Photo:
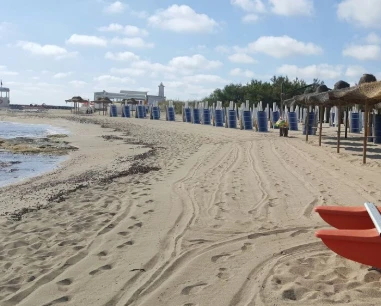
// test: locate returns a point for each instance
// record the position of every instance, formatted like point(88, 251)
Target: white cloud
point(46, 50)
point(373, 38)
point(252, 8)
point(242, 58)
point(113, 79)
point(354, 71)
point(4, 27)
point(4, 71)
point(182, 18)
point(128, 71)
point(292, 7)
point(283, 46)
point(112, 27)
point(322, 71)
point(128, 30)
point(196, 61)
point(86, 40)
point(250, 18)
point(204, 78)
point(365, 13)
point(61, 75)
point(195, 86)
point(122, 56)
point(222, 49)
point(133, 42)
point(116, 7)
point(239, 72)
point(77, 83)
point(139, 14)
point(363, 52)
point(181, 65)
point(250, 5)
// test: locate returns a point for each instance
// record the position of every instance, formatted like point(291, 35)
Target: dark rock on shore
point(52, 144)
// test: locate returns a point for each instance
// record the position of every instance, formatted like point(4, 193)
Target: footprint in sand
point(102, 254)
point(123, 233)
point(223, 274)
point(191, 289)
point(148, 211)
point(130, 242)
point(139, 224)
point(298, 233)
point(217, 257)
point(246, 246)
point(63, 299)
point(65, 282)
point(100, 269)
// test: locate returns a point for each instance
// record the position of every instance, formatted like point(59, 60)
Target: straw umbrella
point(321, 89)
point(104, 101)
point(76, 100)
point(341, 85)
point(366, 78)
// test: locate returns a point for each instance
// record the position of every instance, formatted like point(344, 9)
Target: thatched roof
point(102, 100)
point(76, 99)
point(341, 84)
point(367, 78)
point(321, 88)
point(364, 93)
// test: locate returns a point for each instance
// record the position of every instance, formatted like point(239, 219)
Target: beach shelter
point(366, 93)
point(77, 100)
point(104, 101)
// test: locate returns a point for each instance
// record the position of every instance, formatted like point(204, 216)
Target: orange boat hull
point(346, 217)
point(362, 246)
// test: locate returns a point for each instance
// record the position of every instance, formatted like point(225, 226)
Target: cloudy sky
point(52, 50)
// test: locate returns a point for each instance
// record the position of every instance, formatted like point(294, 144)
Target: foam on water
point(13, 129)
point(17, 167)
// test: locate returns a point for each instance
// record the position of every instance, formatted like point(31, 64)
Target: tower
point(161, 90)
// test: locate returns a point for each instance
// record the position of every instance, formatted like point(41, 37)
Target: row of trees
point(267, 92)
point(255, 91)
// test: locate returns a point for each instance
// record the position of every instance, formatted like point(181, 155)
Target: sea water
point(17, 167)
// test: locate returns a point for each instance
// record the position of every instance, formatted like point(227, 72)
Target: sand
point(169, 213)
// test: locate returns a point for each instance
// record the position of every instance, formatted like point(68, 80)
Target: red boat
point(357, 236)
point(346, 217)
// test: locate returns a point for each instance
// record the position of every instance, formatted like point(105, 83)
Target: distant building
point(4, 97)
point(159, 98)
point(138, 96)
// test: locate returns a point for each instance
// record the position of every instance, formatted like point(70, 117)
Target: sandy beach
point(168, 213)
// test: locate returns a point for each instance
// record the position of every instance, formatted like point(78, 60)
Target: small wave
point(15, 129)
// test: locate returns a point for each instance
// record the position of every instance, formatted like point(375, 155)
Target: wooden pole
point(365, 133)
point(339, 129)
point(346, 122)
point(307, 119)
point(321, 111)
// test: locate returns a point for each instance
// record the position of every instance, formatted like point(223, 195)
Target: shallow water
point(17, 167)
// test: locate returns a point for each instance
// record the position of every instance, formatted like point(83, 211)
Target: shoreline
point(33, 147)
point(162, 213)
point(64, 167)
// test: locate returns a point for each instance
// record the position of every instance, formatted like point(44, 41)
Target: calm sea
point(17, 167)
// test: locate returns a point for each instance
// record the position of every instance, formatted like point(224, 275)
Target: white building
point(139, 96)
point(4, 97)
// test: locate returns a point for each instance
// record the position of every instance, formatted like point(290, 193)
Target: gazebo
point(76, 100)
point(366, 93)
point(104, 101)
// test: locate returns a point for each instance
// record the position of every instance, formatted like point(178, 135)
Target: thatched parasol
point(76, 100)
point(340, 85)
point(367, 78)
point(103, 100)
